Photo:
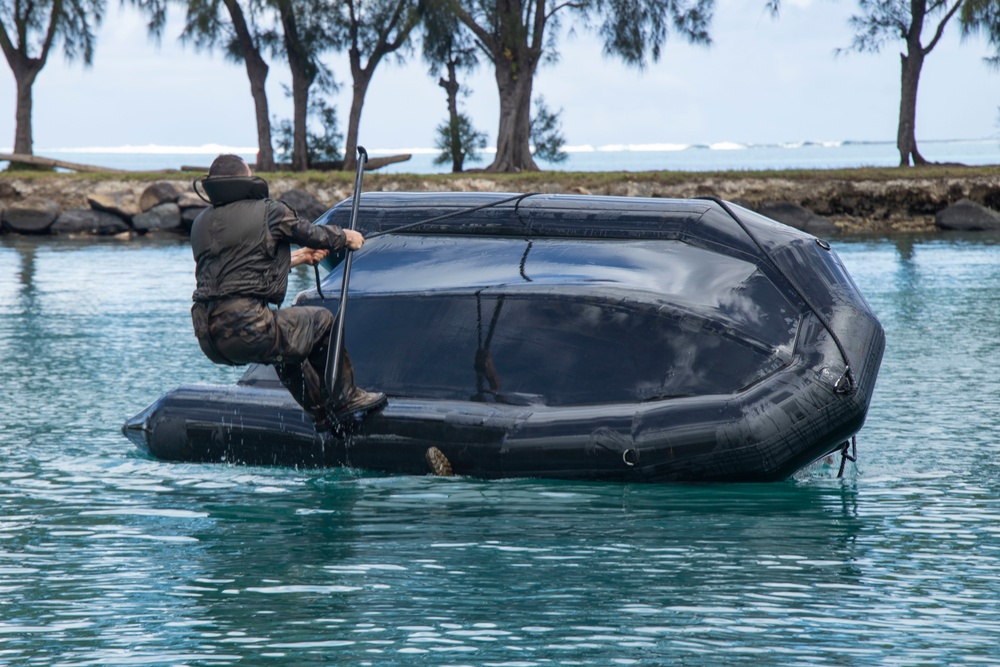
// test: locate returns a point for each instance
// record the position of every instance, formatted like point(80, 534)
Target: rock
point(305, 204)
point(122, 203)
point(8, 191)
point(161, 216)
point(162, 192)
point(191, 200)
point(967, 216)
point(798, 217)
point(187, 217)
point(88, 221)
point(191, 206)
point(31, 216)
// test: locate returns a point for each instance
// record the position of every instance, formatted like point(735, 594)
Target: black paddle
point(337, 333)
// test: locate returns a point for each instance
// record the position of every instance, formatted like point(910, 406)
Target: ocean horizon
point(716, 156)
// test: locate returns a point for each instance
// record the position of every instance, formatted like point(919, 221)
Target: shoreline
point(868, 201)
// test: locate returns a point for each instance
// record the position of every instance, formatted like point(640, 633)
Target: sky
point(762, 81)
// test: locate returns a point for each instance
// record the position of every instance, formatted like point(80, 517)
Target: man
point(242, 253)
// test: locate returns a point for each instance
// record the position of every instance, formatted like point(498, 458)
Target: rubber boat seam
point(760, 447)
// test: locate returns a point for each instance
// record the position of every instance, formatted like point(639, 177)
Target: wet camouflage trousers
point(294, 340)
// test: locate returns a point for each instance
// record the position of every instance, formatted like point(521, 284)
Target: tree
point(322, 146)
point(28, 32)
point(242, 40)
point(458, 142)
point(516, 36)
point(300, 40)
point(447, 45)
point(984, 16)
point(372, 29)
point(884, 20)
point(546, 133)
point(305, 26)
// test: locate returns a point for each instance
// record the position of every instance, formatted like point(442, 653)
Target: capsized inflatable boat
point(572, 337)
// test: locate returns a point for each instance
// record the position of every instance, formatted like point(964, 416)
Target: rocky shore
point(925, 201)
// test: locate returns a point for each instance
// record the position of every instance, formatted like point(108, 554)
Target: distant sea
point(619, 157)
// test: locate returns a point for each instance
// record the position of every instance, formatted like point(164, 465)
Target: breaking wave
point(658, 156)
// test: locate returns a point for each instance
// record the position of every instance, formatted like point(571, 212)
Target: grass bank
point(862, 200)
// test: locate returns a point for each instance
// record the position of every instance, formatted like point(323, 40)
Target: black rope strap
point(845, 457)
point(319, 289)
point(464, 211)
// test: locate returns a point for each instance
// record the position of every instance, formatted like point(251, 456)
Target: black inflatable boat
point(572, 337)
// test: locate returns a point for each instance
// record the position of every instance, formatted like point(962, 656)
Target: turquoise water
point(108, 558)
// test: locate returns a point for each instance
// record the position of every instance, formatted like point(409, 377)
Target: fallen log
point(51, 162)
point(372, 163)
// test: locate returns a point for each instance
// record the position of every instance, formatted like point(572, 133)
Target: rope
point(319, 290)
point(845, 457)
point(463, 211)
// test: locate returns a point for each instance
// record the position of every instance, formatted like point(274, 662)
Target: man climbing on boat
point(242, 252)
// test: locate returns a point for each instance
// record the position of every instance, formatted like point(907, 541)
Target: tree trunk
point(514, 133)
point(26, 68)
point(25, 72)
point(515, 56)
point(361, 79)
point(24, 78)
point(265, 152)
point(451, 87)
point(257, 71)
point(300, 115)
point(303, 73)
point(906, 140)
point(401, 19)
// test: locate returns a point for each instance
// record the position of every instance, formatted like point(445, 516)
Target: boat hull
point(808, 403)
